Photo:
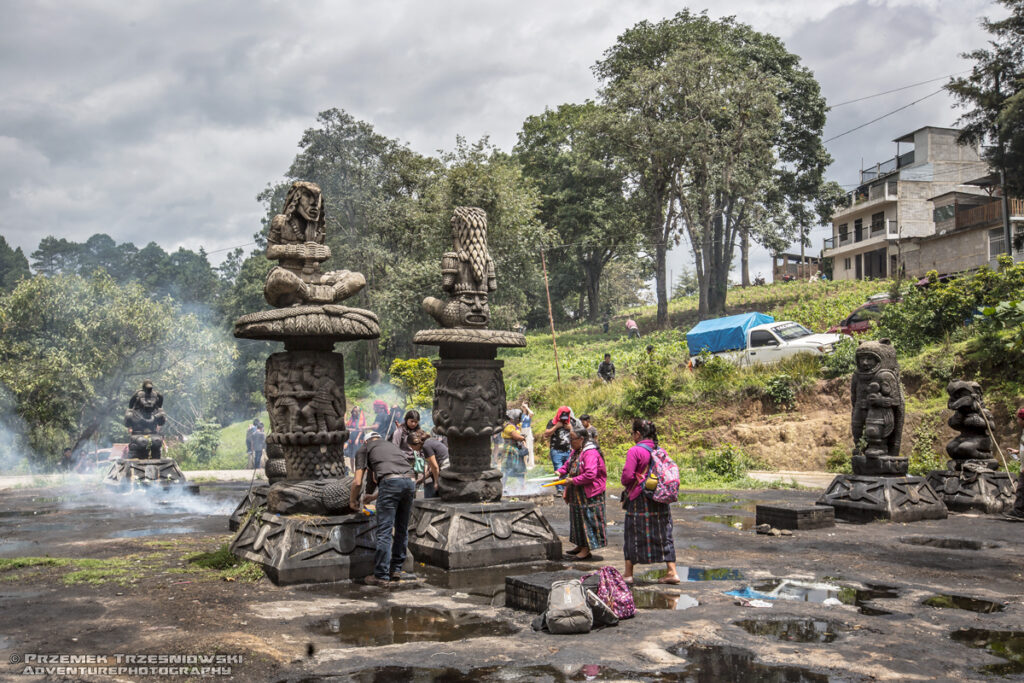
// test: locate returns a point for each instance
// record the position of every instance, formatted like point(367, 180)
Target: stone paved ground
point(148, 599)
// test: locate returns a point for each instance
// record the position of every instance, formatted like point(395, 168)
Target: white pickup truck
point(765, 343)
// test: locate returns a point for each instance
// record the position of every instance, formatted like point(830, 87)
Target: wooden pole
point(551, 317)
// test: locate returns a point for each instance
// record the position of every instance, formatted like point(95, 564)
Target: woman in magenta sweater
point(584, 492)
point(648, 528)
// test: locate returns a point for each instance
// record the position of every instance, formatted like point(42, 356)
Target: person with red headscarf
point(1017, 513)
point(558, 431)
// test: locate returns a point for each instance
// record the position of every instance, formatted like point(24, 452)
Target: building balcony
point(867, 197)
point(989, 215)
point(886, 167)
point(876, 232)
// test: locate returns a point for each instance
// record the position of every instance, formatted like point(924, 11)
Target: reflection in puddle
point(823, 593)
point(793, 630)
point(728, 663)
point(397, 624)
point(136, 533)
point(963, 602)
point(1006, 644)
point(948, 543)
point(735, 521)
point(652, 599)
point(705, 498)
point(693, 574)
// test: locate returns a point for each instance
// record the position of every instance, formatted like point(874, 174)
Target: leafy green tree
point(583, 201)
point(994, 95)
point(719, 126)
point(13, 266)
point(73, 349)
point(414, 379)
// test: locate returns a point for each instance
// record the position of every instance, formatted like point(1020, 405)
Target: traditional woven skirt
point(648, 532)
point(586, 519)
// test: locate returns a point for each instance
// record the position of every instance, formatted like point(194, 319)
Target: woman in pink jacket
point(648, 528)
point(584, 492)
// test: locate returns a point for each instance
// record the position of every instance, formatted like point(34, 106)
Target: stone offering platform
point(866, 498)
point(793, 517)
point(160, 472)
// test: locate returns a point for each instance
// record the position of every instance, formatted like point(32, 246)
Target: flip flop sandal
point(669, 580)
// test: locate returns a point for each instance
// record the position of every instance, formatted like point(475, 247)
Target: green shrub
point(781, 392)
point(923, 454)
point(202, 444)
point(842, 361)
point(648, 393)
point(839, 461)
point(727, 461)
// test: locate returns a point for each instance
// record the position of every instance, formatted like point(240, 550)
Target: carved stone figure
point(144, 418)
point(470, 526)
point(467, 274)
point(971, 419)
point(878, 411)
point(296, 241)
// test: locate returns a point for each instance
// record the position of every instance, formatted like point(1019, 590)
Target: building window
point(846, 263)
point(996, 243)
point(844, 232)
point(877, 222)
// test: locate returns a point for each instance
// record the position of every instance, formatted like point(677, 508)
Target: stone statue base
point(255, 498)
point(860, 498)
point(163, 472)
point(473, 487)
point(469, 535)
point(982, 490)
point(306, 548)
point(880, 466)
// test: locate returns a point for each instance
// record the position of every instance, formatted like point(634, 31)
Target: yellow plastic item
point(556, 483)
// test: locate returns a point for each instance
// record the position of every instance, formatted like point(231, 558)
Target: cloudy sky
point(162, 121)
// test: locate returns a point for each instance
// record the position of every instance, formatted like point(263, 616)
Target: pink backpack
point(666, 472)
point(613, 591)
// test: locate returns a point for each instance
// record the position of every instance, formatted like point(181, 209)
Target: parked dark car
point(862, 317)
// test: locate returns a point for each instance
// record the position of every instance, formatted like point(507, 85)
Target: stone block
point(308, 549)
point(795, 517)
point(530, 591)
point(861, 499)
point(162, 472)
point(466, 535)
point(982, 491)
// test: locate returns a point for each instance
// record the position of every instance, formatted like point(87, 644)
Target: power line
point(905, 87)
point(240, 246)
point(887, 114)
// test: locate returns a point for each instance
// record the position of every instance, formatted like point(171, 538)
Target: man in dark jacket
point(396, 481)
point(606, 370)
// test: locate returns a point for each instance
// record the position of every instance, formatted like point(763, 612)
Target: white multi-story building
point(893, 203)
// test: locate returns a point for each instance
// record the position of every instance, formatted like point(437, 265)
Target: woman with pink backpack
point(648, 528)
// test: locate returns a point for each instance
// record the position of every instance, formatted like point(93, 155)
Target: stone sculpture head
point(305, 203)
point(873, 356)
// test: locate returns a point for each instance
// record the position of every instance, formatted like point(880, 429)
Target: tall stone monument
point(971, 480)
point(879, 487)
point(306, 531)
point(469, 526)
point(144, 463)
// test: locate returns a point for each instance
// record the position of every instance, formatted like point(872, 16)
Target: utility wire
point(887, 114)
point(905, 87)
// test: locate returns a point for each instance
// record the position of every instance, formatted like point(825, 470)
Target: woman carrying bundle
point(585, 477)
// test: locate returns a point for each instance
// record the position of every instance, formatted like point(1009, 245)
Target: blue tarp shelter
point(724, 334)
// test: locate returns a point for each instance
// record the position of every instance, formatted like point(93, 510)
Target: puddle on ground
point(1006, 644)
point(948, 543)
point(948, 601)
point(400, 624)
point(806, 591)
point(653, 599)
point(705, 498)
point(793, 630)
point(693, 574)
point(27, 513)
point(728, 663)
point(136, 533)
point(503, 674)
point(743, 522)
